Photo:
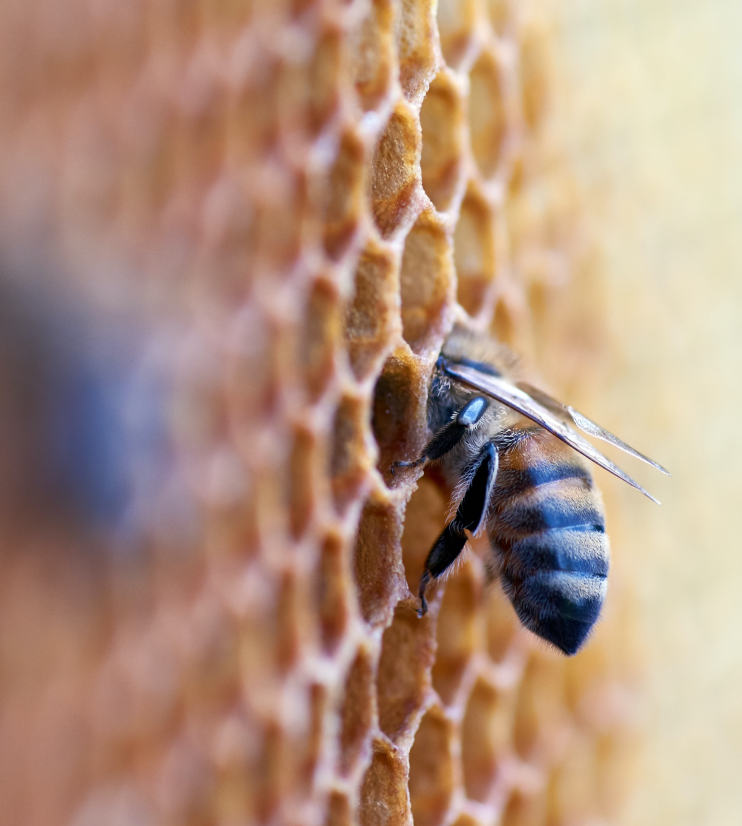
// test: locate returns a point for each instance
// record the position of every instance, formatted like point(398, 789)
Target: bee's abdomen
point(548, 530)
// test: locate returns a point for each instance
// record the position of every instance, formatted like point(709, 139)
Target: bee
point(516, 466)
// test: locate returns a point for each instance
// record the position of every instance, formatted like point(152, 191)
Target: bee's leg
point(470, 516)
point(450, 434)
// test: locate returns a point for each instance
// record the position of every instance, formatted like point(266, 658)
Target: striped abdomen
point(547, 529)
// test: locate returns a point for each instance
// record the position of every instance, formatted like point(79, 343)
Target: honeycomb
point(245, 229)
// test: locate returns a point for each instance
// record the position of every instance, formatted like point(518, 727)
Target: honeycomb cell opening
point(458, 630)
point(457, 22)
point(474, 250)
point(333, 585)
point(349, 454)
point(323, 81)
point(372, 315)
point(378, 567)
point(384, 790)
point(371, 50)
point(487, 116)
point(414, 39)
point(357, 715)
point(304, 481)
point(432, 778)
point(407, 652)
point(343, 197)
point(442, 121)
point(394, 181)
point(321, 330)
point(400, 401)
point(426, 283)
point(485, 735)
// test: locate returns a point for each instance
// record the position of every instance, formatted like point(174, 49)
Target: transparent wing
point(546, 412)
point(586, 425)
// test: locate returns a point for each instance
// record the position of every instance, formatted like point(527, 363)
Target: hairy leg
point(450, 434)
point(470, 516)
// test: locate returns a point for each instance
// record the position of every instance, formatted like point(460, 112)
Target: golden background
point(651, 110)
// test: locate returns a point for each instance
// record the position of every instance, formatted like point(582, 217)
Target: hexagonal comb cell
point(357, 714)
point(394, 177)
point(279, 221)
point(457, 21)
point(406, 656)
point(432, 780)
point(378, 566)
point(459, 632)
point(371, 49)
point(400, 401)
point(343, 197)
point(320, 333)
point(323, 76)
point(305, 481)
point(350, 459)
point(512, 322)
point(426, 279)
point(372, 316)
point(442, 120)
point(333, 585)
point(485, 739)
point(474, 251)
point(414, 30)
point(487, 119)
point(309, 93)
point(384, 790)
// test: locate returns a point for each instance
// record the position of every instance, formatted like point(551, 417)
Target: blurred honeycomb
point(256, 223)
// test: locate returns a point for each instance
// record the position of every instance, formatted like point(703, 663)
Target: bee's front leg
point(450, 434)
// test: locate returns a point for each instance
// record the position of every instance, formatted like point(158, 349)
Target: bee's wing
point(544, 415)
point(584, 423)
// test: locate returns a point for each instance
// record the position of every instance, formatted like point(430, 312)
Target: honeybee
point(517, 471)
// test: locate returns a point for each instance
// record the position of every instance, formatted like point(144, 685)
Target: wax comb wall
point(290, 202)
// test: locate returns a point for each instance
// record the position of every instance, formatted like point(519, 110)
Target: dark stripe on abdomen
point(569, 503)
point(512, 481)
point(577, 550)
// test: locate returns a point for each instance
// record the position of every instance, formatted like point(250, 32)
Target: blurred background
point(651, 110)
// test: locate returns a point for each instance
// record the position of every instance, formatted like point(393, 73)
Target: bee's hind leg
point(470, 516)
point(450, 434)
point(442, 555)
